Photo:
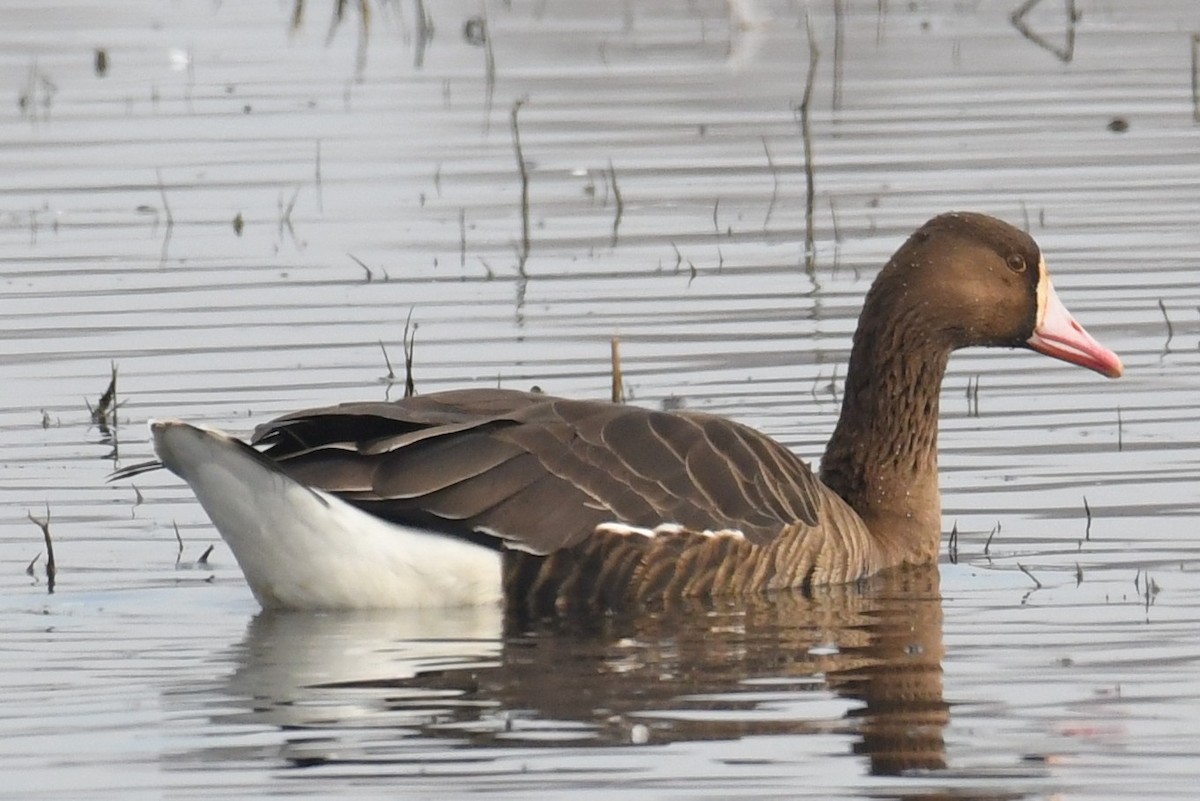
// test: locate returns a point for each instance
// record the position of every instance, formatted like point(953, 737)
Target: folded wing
point(539, 473)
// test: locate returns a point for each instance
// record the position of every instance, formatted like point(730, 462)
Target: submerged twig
point(774, 184)
point(425, 30)
point(839, 47)
point(462, 238)
point(1065, 53)
point(361, 263)
point(833, 219)
point(987, 546)
point(1170, 329)
point(410, 339)
point(483, 36)
point(523, 170)
point(618, 382)
point(105, 412)
point(806, 134)
point(391, 374)
point(1196, 77)
point(51, 566)
point(317, 179)
point(285, 215)
point(39, 91)
point(620, 202)
point(170, 225)
point(973, 395)
point(1024, 570)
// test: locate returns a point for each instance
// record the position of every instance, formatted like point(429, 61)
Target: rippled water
point(248, 201)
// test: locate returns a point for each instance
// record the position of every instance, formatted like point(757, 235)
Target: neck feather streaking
point(882, 457)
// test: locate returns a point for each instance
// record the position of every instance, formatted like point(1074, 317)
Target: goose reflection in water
point(385, 688)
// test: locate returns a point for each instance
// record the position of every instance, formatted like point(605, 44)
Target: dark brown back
point(539, 473)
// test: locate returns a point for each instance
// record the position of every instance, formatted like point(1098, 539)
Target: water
point(373, 172)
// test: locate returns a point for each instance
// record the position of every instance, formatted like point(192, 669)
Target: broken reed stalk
point(105, 412)
point(973, 396)
point(814, 56)
point(618, 383)
point(363, 264)
point(523, 169)
point(391, 374)
point(612, 178)
point(203, 560)
point(410, 340)
point(51, 566)
point(987, 546)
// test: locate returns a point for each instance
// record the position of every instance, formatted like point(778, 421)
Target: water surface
point(246, 204)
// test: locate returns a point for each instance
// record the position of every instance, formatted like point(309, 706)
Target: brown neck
point(882, 458)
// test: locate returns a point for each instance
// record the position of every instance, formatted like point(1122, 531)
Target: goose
point(546, 504)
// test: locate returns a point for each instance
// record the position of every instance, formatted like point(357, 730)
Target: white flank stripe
point(626, 530)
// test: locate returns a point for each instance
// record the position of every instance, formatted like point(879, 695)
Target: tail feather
point(300, 547)
point(133, 470)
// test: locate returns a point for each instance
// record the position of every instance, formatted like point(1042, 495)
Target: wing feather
point(540, 473)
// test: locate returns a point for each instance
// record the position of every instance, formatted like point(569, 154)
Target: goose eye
point(1016, 263)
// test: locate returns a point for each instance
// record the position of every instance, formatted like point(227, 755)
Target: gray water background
point(371, 164)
